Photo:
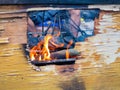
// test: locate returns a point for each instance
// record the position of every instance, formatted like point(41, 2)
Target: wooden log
point(62, 54)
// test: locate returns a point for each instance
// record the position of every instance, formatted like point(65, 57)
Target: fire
point(41, 51)
point(39, 58)
point(45, 49)
point(67, 54)
point(32, 57)
point(67, 51)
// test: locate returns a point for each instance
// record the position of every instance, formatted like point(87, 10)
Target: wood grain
point(15, 27)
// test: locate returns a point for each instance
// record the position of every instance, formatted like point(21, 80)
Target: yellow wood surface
point(98, 67)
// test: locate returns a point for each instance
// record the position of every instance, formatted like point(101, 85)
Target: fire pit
point(41, 54)
point(55, 38)
point(60, 60)
point(62, 57)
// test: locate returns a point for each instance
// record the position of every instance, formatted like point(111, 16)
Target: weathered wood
point(4, 40)
point(15, 27)
point(91, 72)
point(2, 29)
point(106, 7)
point(12, 15)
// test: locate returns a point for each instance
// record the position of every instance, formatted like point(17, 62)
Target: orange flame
point(40, 58)
point(45, 49)
point(67, 51)
point(32, 57)
point(41, 51)
point(67, 54)
point(33, 53)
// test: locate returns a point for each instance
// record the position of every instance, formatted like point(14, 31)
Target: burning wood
point(45, 49)
point(67, 52)
point(41, 52)
point(62, 54)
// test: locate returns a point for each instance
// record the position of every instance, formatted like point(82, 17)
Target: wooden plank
point(12, 15)
point(106, 7)
point(4, 40)
point(15, 27)
point(22, 39)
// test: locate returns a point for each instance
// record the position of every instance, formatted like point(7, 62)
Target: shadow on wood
point(73, 84)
